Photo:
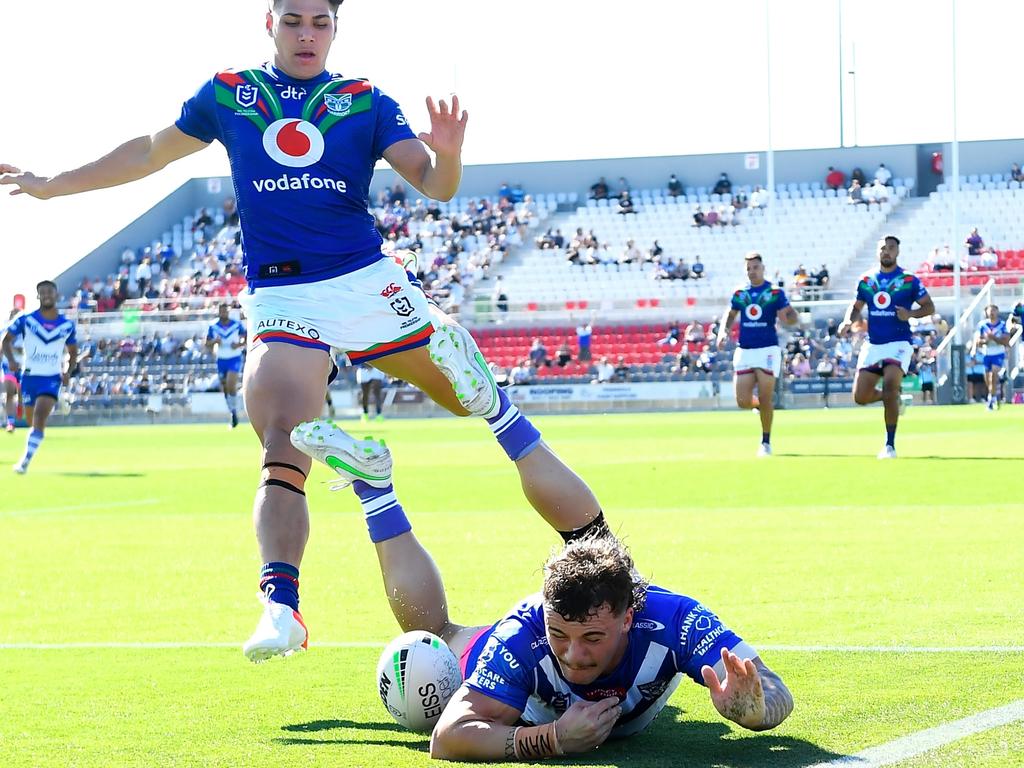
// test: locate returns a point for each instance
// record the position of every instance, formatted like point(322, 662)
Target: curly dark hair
point(589, 573)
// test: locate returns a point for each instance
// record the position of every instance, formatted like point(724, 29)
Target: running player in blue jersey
point(596, 654)
point(302, 144)
point(993, 335)
point(45, 333)
point(757, 361)
point(890, 295)
point(228, 336)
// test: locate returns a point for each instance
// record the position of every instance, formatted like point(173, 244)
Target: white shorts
point(372, 312)
point(768, 359)
point(876, 355)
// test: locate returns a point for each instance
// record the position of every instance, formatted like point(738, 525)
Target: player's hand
point(447, 129)
point(844, 328)
point(586, 724)
point(66, 378)
point(902, 314)
point(25, 183)
point(740, 697)
point(720, 343)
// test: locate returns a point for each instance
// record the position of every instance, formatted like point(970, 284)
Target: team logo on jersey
point(338, 104)
point(703, 623)
point(652, 691)
point(403, 306)
point(649, 624)
point(753, 312)
point(390, 291)
point(246, 94)
point(882, 300)
point(293, 142)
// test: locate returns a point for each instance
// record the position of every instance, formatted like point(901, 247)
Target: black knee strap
point(283, 465)
point(282, 484)
point(596, 528)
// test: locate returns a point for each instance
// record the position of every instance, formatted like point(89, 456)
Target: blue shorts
point(229, 364)
point(34, 387)
point(994, 361)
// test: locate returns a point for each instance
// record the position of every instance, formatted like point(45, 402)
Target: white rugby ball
point(416, 676)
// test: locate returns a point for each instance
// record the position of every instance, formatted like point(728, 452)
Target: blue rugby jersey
point(883, 292)
point(999, 329)
point(44, 342)
point(758, 308)
point(673, 636)
point(226, 336)
point(302, 154)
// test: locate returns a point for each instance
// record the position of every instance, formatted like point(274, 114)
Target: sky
point(563, 80)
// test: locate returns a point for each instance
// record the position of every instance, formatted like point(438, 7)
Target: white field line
point(906, 747)
point(101, 505)
point(369, 644)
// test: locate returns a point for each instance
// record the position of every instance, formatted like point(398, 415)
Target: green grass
point(143, 534)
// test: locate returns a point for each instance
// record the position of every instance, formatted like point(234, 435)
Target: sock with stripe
point(516, 435)
point(385, 517)
point(890, 435)
point(766, 437)
point(10, 421)
point(35, 437)
point(280, 583)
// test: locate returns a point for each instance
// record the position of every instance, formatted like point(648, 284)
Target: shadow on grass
point(668, 742)
point(902, 457)
point(99, 474)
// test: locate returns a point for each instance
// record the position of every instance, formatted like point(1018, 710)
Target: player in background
point(890, 295)
point(44, 333)
point(757, 362)
point(1016, 318)
point(302, 145)
point(993, 335)
point(228, 336)
point(597, 654)
point(371, 384)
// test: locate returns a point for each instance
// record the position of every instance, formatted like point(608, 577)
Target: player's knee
point(745, 402)
point(861, 398)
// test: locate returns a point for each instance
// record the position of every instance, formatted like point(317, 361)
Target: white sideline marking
point(368, 644)
point(79, 507)
point(915, 744)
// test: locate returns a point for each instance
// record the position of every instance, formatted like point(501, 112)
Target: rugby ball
point(416, 676)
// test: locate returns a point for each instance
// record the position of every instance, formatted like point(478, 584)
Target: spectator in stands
point(663, 270)
point(835, 179)
point(698, 218)
point(505, 190)
point(626, 203)
point(974, 243)
point(879, 193)
point(858, 175)
point(398, 194)
point(143, 276)
point(821, 277)
point(654, 253)
point(584, 334)
point(1015, 173)
point(740, 200)
point(231, 218)
point(883, 175)
point(697, 270)
point(942, 260)
point(926, 375)
point(988, 259)
point(800, 276)
point(711, 218)
point(599, 190)
point(623, 185)
point(545, 241)
point(695, 333)
point(855, 194)
point(456, 295)
point(723, 186)
point(727, 215)
point(524, 373)
point(631, 254)
point(202, 221)
point(518, 193)
point(683, 362)
point(706, 361)
point(680, 270)
point(671, 337)
point(128, 256)
point(799, 366)
point(675, 186)
point(563, 356)
point(498, 296)
point(758, 198)
point(623, 370)
point(605, 372)
point(539, 353)
point(167, 385)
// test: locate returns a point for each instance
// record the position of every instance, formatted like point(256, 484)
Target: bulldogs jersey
point(997, 328)
point(883, 292)
point(226, 337)
point(758, 307)
point(672, 636)
point(302, 154)
point(44, 342)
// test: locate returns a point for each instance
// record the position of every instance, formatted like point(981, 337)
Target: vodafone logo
point(882, 300)
point(753, 312)
point(294, 143)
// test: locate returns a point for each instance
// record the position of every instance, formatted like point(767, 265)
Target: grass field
point(833, 564)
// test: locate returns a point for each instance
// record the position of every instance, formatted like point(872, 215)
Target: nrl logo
point(338, 105)
point(246, 95)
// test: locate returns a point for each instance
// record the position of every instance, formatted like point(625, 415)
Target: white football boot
point(887, 452)
point(21, 467)
point(765, 451)
point(281, 632)
point(367, 460)
point(453, 350)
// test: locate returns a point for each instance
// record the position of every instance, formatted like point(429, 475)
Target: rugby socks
point(35, 437)
point(766, 438)
point(232, 401)
point(280, 583)
point(890, 435)
point(10, 421)
point(596, 528)
point(516, 435)
point(385, 517)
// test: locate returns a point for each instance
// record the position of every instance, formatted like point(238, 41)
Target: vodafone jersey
point(302, 154)
point(758, 307)
point(882, 292)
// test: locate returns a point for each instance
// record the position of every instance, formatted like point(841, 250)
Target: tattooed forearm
point(778, 701)
point(510, 744)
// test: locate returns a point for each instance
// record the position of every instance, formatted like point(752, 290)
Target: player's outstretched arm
point(131, 161)
point(789, 316)
point(439, 179)
point(852, 316)
point(751, 695)
point(728, 317)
